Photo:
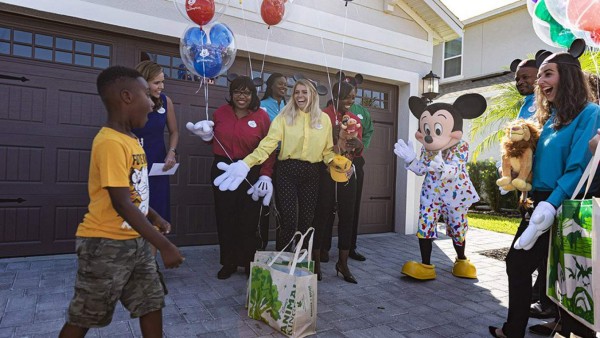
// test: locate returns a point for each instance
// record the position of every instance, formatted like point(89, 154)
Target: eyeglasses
point(246, 93)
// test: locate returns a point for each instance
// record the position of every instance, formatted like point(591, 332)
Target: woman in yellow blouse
point(306, 140)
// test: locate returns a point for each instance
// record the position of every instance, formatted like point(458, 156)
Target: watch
point(173, 150)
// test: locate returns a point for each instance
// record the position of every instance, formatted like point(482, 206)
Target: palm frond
point(489, 142)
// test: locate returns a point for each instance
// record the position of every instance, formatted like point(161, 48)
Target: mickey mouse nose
point(428, 139)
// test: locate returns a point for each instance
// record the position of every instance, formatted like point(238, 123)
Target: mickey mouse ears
point(566, 58)
point(518, 63)
point(354, 81)
point(257, 81)
point(321, 90)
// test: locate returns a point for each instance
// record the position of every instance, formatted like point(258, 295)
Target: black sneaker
point(226, 271)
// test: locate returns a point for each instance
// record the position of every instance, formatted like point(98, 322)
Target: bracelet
point(173, 150)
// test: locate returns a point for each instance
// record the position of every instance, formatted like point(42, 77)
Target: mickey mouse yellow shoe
point(464, 268)
point(419, 270)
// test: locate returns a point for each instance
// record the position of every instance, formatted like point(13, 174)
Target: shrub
point(484, 174)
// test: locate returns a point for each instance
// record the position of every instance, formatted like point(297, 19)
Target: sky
point(465, 9)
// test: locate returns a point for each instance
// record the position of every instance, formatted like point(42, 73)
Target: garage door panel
point(374, 215)
point(72, 165)
point(80, 109)
point(23, 103)
point(21, 164)
point(66, 220)
point(20, 224)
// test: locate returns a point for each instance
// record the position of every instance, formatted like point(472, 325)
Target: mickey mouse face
point(435, 130)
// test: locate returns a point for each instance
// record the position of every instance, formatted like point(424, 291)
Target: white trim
point(432, 34)
point(496, 12)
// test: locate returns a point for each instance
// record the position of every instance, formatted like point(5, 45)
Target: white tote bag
point(284, 296)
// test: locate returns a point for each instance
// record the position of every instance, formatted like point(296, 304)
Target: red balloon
point(584, 14)
point(272, 11)
point(200, 11)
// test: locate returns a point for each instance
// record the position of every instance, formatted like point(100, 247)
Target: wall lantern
point(431, 86)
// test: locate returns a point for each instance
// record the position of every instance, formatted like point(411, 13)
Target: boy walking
point(113, 251)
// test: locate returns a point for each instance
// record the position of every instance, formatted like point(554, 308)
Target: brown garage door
point(49, 122)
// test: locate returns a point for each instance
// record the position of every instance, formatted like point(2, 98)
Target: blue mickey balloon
point(207, 61)
point(220, 35)
point(195, 36)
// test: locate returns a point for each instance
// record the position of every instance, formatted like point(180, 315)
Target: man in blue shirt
point(525, 76)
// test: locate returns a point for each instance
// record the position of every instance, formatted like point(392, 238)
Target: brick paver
point(35, 292)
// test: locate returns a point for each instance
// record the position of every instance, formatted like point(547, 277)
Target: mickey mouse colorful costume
point(447, 189)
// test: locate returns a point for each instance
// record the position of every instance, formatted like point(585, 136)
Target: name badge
point(531, 108)
point(252, 124)
point(360, 116)
point(162, 110)
point(319, 126)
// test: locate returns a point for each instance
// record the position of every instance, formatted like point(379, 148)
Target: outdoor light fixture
point(431, 86)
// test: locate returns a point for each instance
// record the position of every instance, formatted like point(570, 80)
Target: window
point(51, 48)
point(372, 98)
point(173, 68)
point(453, 58)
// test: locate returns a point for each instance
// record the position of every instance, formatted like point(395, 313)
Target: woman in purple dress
point(153, 137)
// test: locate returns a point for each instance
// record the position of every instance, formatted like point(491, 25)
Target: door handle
point(12, 200)
point(386, 198)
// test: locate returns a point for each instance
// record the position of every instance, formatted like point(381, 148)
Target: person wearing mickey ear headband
point(568, 122)
point(304, 132)
point(234, 132)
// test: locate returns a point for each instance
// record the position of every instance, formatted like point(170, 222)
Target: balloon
point(531, 6)
point(558, 10)
point(542, 30)
point(221, 35)
point(584, 14)
point(200, 11)
point(272, 11)
point(558, 34)
point(208, 51)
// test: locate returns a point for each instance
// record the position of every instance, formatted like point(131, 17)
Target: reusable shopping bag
point(284, 296)
point(573, 252)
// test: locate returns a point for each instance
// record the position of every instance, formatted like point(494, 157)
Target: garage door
point(48, 124)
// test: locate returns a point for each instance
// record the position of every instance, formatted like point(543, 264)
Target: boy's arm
point(120, 198)
point(160, 223)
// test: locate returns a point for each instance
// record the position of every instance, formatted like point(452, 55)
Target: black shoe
point(356, 256)
point(347, 275)
point(324, 256)
point(542, 330)
point(493, 332)
point(226, 271)
point(536, 311)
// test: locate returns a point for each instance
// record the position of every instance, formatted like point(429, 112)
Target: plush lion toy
point(348, 130)
point(518, 144)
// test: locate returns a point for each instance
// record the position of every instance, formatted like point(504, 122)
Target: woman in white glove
point(239, 126)
point(569, 121)
point(305, 135)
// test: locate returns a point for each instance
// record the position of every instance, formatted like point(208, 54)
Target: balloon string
point(206, 100)
point(246, 39)
point(341, 60)
point(324, 52)
point(262, 68)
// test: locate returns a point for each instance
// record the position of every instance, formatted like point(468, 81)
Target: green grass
point(507, 225)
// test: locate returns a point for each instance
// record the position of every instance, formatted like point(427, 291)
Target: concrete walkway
point(35, 292)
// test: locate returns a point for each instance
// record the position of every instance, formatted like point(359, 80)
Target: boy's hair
point(110, 76)
point(150, 70)
point(243, 83)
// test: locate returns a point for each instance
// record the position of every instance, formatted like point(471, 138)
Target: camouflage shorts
point(111, 270)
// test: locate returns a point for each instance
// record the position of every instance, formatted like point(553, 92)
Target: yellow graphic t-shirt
point(117, 160)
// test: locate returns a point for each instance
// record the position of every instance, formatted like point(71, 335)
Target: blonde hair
point(291, 109)
point(150, 70)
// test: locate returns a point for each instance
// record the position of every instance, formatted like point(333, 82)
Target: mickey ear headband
point(518, 64)
point(321, 90)
point(354, 81)
point(566, 58)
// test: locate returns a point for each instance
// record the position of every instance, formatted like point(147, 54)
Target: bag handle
point(297, 233)
point(588, 174)
point(297, 259)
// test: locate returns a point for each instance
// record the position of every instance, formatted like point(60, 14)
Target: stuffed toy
point(348, 130)
point(518, 146)
point(447, 190)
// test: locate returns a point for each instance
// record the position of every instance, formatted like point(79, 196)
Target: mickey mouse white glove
point(541, 220)
point(203, 128)
point(233, 176)
point(262, 188)
point(405, 151)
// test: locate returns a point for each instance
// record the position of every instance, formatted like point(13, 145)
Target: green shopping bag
point(572, 254)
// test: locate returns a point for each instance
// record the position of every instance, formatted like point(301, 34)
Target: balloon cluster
point(559, 22)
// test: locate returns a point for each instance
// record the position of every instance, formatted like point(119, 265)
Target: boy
point(115, 263)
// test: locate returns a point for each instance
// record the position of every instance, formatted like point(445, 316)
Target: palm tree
point(505, 107)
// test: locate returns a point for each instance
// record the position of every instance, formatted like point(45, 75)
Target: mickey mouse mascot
point(447, 190)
